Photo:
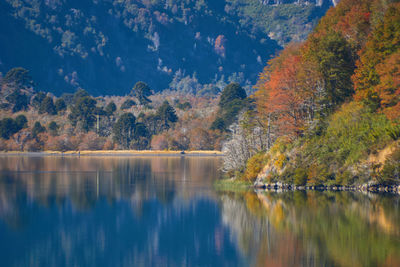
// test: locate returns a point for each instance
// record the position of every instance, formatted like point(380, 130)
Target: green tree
point(142, 91)
point(19, 101)
point(167, 114)
point(124, 129)
point(334, 58)
point(38, 99)
point(233, 99)
point(84, 111)
point(53, 128)
point(127, 104)
point(21, 122)
point(218, 124)
point(60, 105)
point(230, 93)
point(80, 93)
point(47, 106)
point(110, 108)
point(20, 77)
point(37, 129)
point(8, 127)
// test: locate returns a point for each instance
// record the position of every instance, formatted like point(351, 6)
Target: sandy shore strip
point(115, 153)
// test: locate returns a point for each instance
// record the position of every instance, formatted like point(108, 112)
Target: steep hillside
point(331, 105)
point(107, 46)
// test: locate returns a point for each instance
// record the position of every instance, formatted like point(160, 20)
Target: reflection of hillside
point(49, 181)
point(343, 229)
point(257, 237)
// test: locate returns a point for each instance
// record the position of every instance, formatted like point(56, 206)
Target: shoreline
point(364, 188)
point(233, 185)
point(198, 153)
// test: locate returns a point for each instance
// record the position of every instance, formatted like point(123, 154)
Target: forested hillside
point(192, 46)
point(328, 109)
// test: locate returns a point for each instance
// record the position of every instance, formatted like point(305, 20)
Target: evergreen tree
point(60, 105)
point(18, 100)
point(84, 111)
point(47, 106)
point(233, 99)
point(21, 122)
point(53, 128)
point(37, 129)
point(8, 127)
point(230, 93)
point(19, 77)
point(124, 129)
point(167, 114)
point(38, 99)
point(128, 104)
point(142, 91)
point(110, 108)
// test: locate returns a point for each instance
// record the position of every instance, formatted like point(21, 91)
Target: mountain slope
point(107, 46)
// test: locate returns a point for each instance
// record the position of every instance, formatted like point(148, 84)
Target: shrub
point(254, 165)
point(391, 170)
point(300, 176)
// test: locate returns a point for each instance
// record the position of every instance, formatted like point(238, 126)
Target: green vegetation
point(233, 99)
point(232, 185)
point(330, 106)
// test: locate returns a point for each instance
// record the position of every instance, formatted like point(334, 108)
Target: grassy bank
point(232, 185)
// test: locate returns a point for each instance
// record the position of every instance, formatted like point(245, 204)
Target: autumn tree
point(376, 77)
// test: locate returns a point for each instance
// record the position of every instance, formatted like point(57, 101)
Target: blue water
point(164, 211)
point(112, 212)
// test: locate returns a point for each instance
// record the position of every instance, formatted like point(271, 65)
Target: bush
point(300, 176)
point(254, 166)
point(391, 170)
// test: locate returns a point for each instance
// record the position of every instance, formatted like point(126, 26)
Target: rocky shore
point(368, 187)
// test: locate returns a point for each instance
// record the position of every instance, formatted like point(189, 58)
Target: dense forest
point(327, 109)
point(192, 46)
point(33, 120)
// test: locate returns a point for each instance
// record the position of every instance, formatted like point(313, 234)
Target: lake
point(164, 211)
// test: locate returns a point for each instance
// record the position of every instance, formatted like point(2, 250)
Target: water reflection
point(110, 211)
point(158, 211)
point(314, 228)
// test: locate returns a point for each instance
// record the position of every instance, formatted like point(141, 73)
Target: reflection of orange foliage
point(287, 251)
point(393, 260)
point(220, 45)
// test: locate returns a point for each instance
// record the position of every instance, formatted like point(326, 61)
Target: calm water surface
point(163, 211)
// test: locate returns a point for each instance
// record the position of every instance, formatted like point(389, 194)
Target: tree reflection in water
point(314, 228)
point(107, 211)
